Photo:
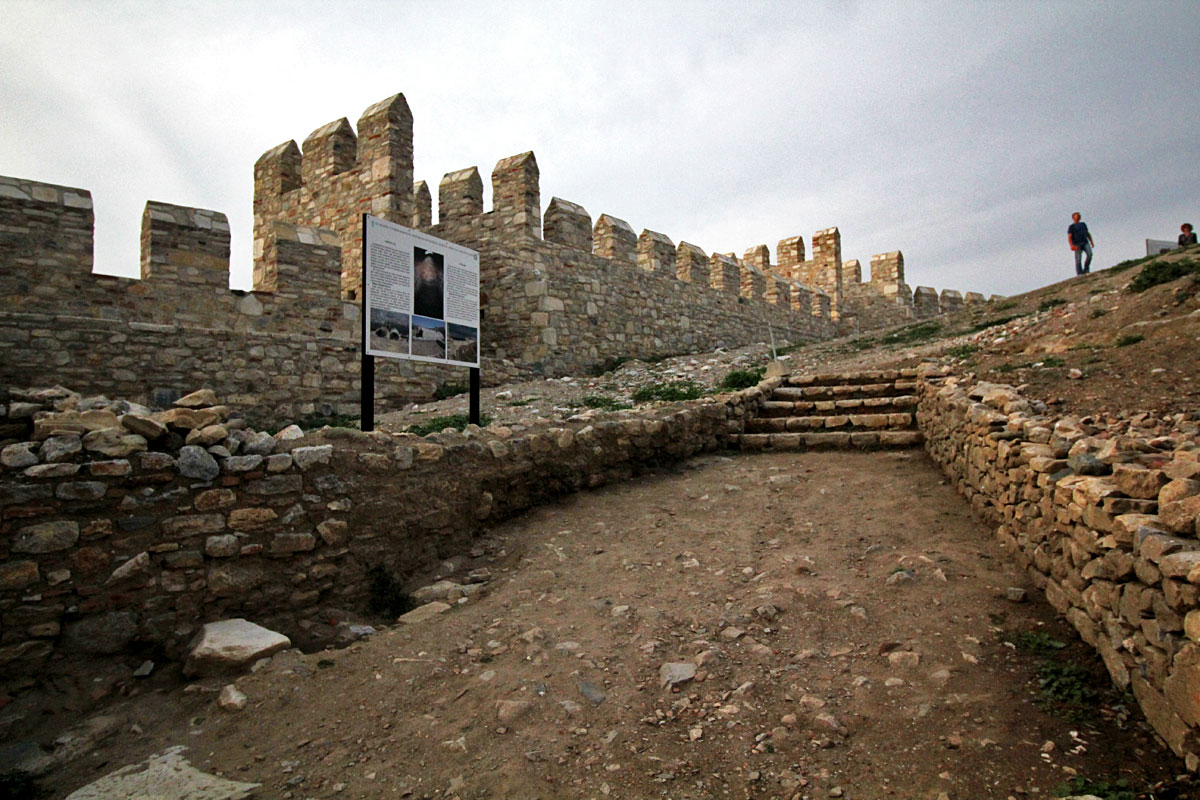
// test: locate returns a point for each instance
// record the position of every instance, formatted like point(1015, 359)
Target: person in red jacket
point(1188, 236)
point(1081, 242)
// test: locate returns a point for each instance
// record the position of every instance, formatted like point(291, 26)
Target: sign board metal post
point(366, 376)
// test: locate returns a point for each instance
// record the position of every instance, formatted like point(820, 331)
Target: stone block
point(46, 537)
point(1136, 480)
point(231, 645)
point(17, 575)
point(251, 519)
point(192, 525)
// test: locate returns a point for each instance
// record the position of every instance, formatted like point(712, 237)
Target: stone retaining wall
point(1103, 518)
point(121, 530)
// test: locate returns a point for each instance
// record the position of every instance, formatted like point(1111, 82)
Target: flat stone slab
point(166, 776)
point(422, 613)
point(231, 644)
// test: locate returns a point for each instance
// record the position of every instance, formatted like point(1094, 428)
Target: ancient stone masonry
point(286, 349)
point(1104, 521)
point(337, 178)
point(122, 528)
point(563, 297)
point(885, 299)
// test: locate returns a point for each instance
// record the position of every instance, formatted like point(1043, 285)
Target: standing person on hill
point(1188, 236)
point(1081, 242)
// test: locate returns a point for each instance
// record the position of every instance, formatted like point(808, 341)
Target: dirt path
point(847, 615)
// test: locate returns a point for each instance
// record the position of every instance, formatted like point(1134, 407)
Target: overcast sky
point(963, 134)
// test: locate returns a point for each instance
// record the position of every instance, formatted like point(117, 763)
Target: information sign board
point(420, 296)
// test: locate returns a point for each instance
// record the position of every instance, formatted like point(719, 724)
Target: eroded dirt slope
point(848, 620)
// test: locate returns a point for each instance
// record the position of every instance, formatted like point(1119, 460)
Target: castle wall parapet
point(338, 177)
point(950, 300)
point(656, 253)
point(568, 224)
point(724, 273)
point(692, 265)
point(516, 196)
point(925, 302)
point(614, 239)
point(559, 295)
point(422, 205)
point(460, 195)
point(753, 283)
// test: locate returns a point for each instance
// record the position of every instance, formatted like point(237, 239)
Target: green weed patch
point(604, 402)
point(447, 390)
point(743, 378)
point(1163, 272)
point(438, 424)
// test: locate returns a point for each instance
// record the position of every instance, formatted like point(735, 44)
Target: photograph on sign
point(389, 331)
point(421, 296)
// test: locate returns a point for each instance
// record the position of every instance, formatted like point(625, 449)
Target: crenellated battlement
point(656, 253)
point(560, 294)
point(338, 176)
point(568, 224)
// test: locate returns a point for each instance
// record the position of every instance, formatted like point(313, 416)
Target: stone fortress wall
point(561, 295)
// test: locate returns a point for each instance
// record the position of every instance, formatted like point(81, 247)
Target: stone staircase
point(863, 409)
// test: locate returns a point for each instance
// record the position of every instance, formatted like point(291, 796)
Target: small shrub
point(863, 343)
point(1129, 338)
point(1007, 366)
point(437, 424)
point(674, 390)
point(447, 390)
point(743, 378)
point(518, 403)
point(962, 350)
point(385, 595)
point(1006, 305)
point(1067, 683)
point(1051, 302)
point(604, 402)
point(1097, 313)
point(1163, 272)
point(1053, 361)
point(1039, 643)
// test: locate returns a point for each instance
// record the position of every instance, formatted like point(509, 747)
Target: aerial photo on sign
point(421, 294)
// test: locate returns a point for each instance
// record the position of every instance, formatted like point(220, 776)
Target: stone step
point(832, 422)
point(860, 405)
point(828, 441)
point(847, 391)
point(850, 378)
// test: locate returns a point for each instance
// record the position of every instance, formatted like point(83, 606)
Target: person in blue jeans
point(1081, 242)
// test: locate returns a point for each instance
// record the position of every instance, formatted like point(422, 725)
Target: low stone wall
point(122, 530)
point(1103, 517)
